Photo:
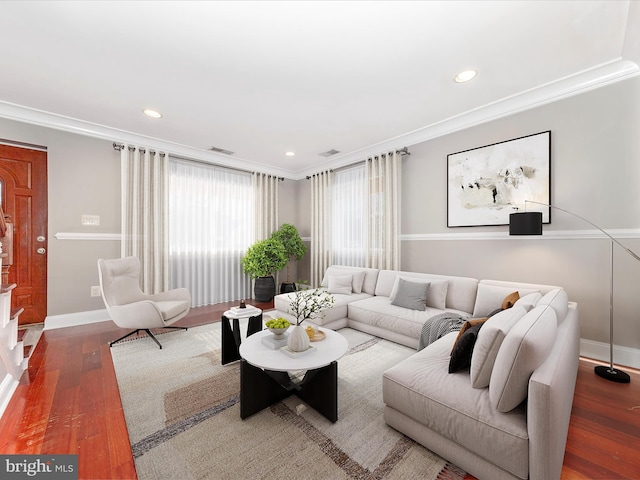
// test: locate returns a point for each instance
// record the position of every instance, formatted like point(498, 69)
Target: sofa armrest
point(550, 400)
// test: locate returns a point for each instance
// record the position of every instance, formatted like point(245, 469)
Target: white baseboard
point(622, 356)
point(75, 319)
point(7, 387)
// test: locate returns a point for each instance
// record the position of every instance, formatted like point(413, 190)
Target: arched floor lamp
point(530, 223)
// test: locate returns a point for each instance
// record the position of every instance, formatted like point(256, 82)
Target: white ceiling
point(261, 78)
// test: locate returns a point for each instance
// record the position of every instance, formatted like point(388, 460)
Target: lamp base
point(612, 374)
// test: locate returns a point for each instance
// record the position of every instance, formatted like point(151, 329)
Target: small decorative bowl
point(278, 332)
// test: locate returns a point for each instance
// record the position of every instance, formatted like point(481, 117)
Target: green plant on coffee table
point(309, 304)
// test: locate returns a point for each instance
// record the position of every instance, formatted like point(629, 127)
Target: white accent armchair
point(129, 307)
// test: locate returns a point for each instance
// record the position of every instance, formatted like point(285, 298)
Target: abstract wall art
point(486, 184)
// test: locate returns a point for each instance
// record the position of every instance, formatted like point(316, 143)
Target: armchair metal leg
point(124, 336)
point(148, 333)
point(153, 337)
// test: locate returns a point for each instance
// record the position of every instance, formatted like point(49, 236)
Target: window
point(349, 217)
point(211, 222)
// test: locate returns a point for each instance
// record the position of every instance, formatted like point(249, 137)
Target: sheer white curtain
point(211, 225)
point(320, 226)
point(349, 217)
point(363, 220)
point(265, 188)
point(383, 193)
point(144, 214)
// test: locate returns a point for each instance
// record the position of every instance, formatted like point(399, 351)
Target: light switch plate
point(91, 220)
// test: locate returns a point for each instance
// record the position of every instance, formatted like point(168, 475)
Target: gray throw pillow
point(412, 295)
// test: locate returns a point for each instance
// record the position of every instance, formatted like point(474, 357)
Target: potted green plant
point(261, 261)
point(294, 248)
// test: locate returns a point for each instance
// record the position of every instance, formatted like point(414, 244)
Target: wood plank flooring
point(68, 402)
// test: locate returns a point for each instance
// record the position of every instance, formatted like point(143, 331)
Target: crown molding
point(582, 82)
point(41, 118)
point(563, 88)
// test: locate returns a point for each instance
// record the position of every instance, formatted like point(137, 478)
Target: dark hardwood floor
point(68, 402)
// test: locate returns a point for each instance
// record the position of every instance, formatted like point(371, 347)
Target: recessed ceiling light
point(290, 154)
point(152, 113)
point(465, 76)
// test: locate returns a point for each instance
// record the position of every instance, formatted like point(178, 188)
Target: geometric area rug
point(183, 416)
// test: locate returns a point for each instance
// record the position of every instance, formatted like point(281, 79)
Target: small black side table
point(231, 337)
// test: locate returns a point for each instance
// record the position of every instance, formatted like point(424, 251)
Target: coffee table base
point(260, 389)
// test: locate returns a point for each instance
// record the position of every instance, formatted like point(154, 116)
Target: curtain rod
point(402, 152)
point(120, 146)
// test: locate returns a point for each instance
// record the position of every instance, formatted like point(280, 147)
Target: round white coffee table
point(264, 378)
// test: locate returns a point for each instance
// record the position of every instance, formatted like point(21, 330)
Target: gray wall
point(595, 171)
point(84, 178)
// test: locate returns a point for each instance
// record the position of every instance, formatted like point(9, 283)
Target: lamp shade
point(525, 223)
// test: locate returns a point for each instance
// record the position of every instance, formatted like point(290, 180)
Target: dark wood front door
point(23, 184)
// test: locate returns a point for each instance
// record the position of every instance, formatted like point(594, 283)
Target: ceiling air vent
point(221, 150)
point(329, 153)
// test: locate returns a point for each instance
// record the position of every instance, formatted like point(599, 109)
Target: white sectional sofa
point(504, 416)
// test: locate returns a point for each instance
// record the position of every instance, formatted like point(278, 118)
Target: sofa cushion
point(488, 344)
point(457, 293)
point(523, 350)
point(364, 279)
point(558, 300)
point(529, 301)
point(340, 284)
point(412, 295)
point(491, 297)
point(437, 297)
point(378, 312)
point(463, 348)
point(421, 388)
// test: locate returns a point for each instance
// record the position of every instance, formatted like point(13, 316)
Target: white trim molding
point(7, 388)
point(87, 236)
point(622, 356)
point(547, 235)
point(75, 319)
point(578, 83)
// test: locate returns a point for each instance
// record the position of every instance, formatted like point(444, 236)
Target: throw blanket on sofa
point(438, 326)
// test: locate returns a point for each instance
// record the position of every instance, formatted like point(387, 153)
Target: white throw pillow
point(340, 284)
point(490, 297)
point(523, 350)
point(437, 297)
point(358, 277)
point(488, 343)
point(528, 301)
point(358, 281)
point(558, 300)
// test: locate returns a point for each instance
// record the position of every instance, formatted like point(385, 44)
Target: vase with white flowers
point(306, 305)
